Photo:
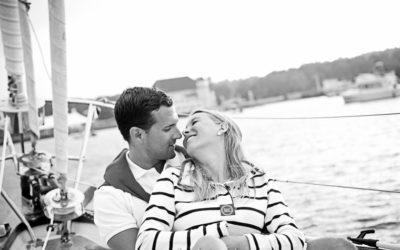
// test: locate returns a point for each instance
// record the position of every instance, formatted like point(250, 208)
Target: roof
point(174, 84)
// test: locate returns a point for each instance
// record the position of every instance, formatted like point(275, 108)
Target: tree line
point(307, 78)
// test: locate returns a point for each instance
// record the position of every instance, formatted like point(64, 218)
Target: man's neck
point(143, 161)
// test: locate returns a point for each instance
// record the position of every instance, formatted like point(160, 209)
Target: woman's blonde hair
point(203, 182)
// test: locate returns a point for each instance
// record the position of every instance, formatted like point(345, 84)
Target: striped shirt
point(173, 220)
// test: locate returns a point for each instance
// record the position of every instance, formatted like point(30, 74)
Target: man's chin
point(172, 153)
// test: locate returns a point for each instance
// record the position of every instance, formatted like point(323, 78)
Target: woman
point(218, 194)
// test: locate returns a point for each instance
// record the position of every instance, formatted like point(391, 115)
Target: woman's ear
point(223, 128)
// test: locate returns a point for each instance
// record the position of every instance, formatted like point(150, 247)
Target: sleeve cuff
point(218, 229)
point(223, 225)
point(251, 239)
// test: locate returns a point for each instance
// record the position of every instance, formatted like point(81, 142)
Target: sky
point(115, 44)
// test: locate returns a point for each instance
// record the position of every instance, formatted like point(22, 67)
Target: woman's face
point(200, 132)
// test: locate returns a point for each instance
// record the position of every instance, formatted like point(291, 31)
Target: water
point(362, 152)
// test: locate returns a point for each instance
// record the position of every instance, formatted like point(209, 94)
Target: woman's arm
point(280, 229)
point(156, 229)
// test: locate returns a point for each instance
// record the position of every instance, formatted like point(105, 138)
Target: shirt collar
point(139, 172)
point(186, 174)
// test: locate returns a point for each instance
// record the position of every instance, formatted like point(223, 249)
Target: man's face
point(161, 138)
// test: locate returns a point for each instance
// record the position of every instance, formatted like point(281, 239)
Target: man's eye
point(194, 122)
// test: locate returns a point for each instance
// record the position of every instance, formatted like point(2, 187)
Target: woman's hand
point(236, 242)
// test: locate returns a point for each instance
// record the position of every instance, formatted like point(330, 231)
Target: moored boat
point(369, 91)
point(376, 86)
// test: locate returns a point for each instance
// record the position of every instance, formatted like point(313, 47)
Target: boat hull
point(370, 95)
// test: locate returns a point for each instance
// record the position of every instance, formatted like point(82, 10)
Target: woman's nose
point(185, 132)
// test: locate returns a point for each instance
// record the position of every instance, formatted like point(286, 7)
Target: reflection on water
point(362, 152)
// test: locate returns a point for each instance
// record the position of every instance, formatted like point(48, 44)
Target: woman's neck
point(215, 166)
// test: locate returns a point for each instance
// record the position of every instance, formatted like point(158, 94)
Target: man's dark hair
point(133, 108)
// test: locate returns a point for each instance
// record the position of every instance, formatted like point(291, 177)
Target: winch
point(36, 181)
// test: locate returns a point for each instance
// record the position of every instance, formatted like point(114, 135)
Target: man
point(148, 121)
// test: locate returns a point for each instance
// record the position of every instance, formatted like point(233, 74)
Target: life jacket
point(119, 175)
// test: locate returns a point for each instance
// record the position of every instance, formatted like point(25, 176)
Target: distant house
point(187, 93)
point(334, 86)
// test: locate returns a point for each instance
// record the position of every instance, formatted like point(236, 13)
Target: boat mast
point(59, 89)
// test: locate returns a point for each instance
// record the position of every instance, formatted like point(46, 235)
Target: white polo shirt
point(116, 210)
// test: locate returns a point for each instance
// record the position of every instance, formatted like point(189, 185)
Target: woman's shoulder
point(253, 171)
point(258, 175)
point(171, 172)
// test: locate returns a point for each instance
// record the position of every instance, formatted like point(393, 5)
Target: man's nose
point(178, 134)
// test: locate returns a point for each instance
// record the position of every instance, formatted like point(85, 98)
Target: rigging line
point(338, 186)
point(40, 47)
point(50, 228)
point(183, 115)
point(314, 117)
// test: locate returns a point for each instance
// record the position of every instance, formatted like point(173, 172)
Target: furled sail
point(29, 71)
point(11, 34)
point(18, 59)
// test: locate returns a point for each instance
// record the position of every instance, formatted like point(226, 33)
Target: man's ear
point(136, 133)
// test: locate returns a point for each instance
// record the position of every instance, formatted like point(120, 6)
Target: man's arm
point(124, 240)
point(113, 215)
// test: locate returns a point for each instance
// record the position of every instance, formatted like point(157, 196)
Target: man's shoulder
point(108, 191)
point(107, 195)
point(120, 158)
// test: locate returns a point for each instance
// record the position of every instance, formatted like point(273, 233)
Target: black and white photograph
point(200, 125)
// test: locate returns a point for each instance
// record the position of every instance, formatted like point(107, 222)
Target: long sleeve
point(280, 230)
point(156, 231)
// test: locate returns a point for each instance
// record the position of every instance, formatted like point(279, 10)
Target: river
point(359, 151)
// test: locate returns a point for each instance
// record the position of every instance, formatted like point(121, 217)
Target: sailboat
point(55, 216)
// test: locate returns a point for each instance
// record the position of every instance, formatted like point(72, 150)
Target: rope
point(338, 186)
point(277, 180)
point(302, 117)
point(50, 228)
point(40, 47)
point(314, 117)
